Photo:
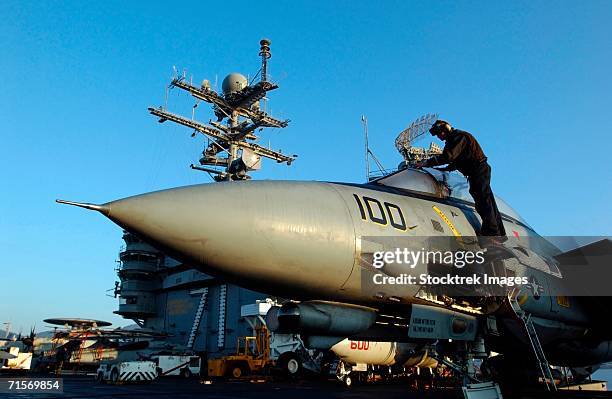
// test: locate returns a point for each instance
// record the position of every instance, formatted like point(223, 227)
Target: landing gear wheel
point(290, 364)
point(348, 381)
point(293, 366)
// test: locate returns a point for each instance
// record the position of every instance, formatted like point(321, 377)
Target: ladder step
point(534, 341)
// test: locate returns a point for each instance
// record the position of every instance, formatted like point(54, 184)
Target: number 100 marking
point(387, 213)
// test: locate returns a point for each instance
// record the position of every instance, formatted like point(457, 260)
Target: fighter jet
point(314, 242)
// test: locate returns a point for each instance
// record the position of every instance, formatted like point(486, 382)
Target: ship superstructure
point(197, 312)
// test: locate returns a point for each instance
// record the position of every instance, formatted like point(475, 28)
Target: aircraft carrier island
point(198, 312)
point(290, 291)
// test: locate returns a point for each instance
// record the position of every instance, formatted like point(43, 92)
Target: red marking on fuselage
point(360, 345)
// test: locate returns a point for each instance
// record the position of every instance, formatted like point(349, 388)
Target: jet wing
point(587, 272)
point(599, 248)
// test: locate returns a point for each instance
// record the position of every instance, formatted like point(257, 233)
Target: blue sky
point(529, 79)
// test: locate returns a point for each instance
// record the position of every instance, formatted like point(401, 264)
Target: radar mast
point(240, 111)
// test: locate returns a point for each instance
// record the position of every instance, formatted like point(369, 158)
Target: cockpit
point(434, 183)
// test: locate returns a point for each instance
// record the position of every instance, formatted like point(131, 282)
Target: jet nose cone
point(167, 218)
point(259, 234)
point(104, 209)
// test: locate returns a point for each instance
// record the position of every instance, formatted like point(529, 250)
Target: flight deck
point(84, 387)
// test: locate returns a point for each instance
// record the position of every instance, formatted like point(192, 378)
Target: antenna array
point(232, 151)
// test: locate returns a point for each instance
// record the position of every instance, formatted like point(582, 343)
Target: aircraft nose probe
point(104, 209)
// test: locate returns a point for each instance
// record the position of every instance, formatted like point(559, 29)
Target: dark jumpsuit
point(463, 153)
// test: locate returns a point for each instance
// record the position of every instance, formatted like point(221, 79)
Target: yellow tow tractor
point(252, 357)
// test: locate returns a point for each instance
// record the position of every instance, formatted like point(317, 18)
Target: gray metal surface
point(283, 236)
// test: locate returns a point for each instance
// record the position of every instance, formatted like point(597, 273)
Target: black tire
point(348, 381)
point(290, 364)
point(186, 373)
point(114, 376)
point(100, 377)
point(237, 371)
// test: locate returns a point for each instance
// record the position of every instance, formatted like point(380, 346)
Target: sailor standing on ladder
point(463, 153)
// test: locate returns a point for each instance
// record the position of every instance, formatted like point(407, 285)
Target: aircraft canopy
point(434, 183)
